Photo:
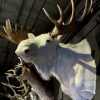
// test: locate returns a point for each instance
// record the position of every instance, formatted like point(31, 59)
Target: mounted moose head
point(72, 65)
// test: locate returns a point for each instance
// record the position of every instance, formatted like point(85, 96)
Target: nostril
point(27, 50)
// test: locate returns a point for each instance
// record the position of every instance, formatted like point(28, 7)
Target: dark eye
point(27, 50)
point(48, 41)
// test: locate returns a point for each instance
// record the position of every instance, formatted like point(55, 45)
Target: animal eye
point(27, 50)
point(48, 41)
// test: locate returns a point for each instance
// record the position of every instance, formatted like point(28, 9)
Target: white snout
point(22, 51)
point(17, 53)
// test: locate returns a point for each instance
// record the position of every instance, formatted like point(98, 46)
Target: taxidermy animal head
point(72, 65)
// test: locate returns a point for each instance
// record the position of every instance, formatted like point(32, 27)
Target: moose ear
point(31, 36)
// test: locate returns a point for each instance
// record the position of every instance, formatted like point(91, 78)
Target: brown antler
point(73, 24)
point(16, 35)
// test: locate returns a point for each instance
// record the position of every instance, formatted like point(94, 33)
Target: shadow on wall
point(98, 43)
point(4, 97)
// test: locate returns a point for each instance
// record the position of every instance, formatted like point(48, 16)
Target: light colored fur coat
point(72, 65)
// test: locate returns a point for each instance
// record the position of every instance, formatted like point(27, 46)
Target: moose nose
point(17, 53)
point(27, 50)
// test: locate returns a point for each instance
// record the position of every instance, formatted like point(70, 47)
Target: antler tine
point(61, 14)
point(15, 27)
point(4, 35)
point(8, 25)
point(84, 12)
point(4, 29)
point(87, 10)
point(21, 62)
point(56, 22)
point(24, 86)
point(90, 7)
point(12, 71)
point(72, 18)
point(8, 28)
point(51, 18)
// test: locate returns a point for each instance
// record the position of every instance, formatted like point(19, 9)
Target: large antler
point(16, 35)
point(73, 24)
point(23, 87)
point(21, 90)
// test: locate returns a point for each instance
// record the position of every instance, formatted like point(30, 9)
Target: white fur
point(72, 65)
